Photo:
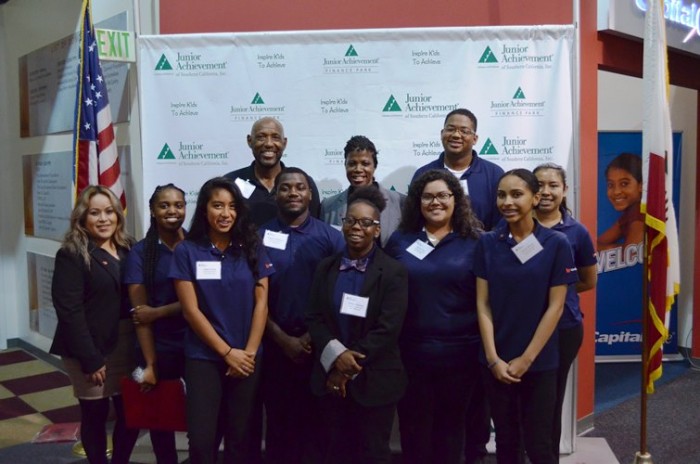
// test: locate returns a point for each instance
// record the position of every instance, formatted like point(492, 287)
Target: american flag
point(96, 157)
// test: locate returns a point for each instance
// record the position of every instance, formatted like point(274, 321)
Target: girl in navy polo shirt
point(552, 212)
point(220, 273)
point(156, 313)
point(523, 270)
point(440, 338)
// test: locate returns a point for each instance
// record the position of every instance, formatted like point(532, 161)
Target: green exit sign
point(115, 45)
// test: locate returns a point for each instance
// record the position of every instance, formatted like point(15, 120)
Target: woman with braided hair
point(156, 312)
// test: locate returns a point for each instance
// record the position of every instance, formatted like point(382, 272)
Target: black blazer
point(88, 303)
point(382, 379)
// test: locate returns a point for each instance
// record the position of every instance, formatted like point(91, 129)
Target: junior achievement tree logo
point(518, 106)
point(193, 154)
point(256, 109)
point(488, 56)
point(489, 148)
point(166, 153)
point(391, 105)
point(163, 64)
point(350, 63)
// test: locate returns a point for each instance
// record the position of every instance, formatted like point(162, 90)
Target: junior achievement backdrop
point(200, 95)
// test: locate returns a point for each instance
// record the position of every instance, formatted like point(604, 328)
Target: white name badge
point(354, 305)
point(208, 270)
point(527, 248)
point(245, 187)
point(277, 240)
point(465, 186)
point(419, 249)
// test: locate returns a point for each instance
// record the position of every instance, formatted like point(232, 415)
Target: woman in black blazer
point(357, 307)
point(94, 336)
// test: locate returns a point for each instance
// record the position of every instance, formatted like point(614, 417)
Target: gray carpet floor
point(673, 423)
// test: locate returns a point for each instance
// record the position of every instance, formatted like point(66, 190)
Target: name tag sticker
point(465, 186)
point(527, 248)
point(208, 270)
point(245, 187)
point(354, 305)
point(419, 249)
point(277, 240)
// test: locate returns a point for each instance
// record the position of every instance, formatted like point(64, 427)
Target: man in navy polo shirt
point(479, 177)
point(295, 242)
point(267, 142)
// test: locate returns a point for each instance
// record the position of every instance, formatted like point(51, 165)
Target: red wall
point(186, 16)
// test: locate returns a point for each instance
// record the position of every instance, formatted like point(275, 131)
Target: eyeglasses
point(449, 130)
point(365, 223)
point(442, 197)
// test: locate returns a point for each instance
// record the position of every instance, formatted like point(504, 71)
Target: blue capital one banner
point(620, 245)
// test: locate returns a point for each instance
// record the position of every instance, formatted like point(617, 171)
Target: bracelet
point(491, 365)
point(230, 348)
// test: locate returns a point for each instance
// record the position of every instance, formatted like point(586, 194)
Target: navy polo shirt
point(441, 325)
point(168, 332)
point(349, 281)
point(228, 302)
point(482, 180)
point(519, 292)
point(584, 255)
point(307, 245)
point(262, 203)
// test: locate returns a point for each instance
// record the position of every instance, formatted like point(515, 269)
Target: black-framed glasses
point(442, 197)
point(365, 223)
point(465, 132)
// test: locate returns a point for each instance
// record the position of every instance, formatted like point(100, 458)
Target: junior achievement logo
point(417, 106)
point(518, 106)
point(351, 62)
point(514, 56)
point(190, 64)
point(256, 109)
point(518, 149)
point(191, 154)
point(333, 157)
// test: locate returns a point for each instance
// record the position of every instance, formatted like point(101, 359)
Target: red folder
point(161, 408)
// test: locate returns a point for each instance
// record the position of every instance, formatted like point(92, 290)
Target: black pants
point(432, 413)
point(477, 427)
point(93, 435)
point(352, 433)
point(527, 406)
point(290, 407)
point(569, 343)
point(210, 394)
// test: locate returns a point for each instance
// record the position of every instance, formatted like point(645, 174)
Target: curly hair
point(77, 238)
point(150, 249)
point(244, 237)
point(368, 195)
point(463, 220)
point(563, 207)
point(360, 143)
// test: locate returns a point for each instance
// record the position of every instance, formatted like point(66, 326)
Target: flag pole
point(642, 456)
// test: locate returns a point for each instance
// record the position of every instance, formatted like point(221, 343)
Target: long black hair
point(151, 248)
point(563, 207)
point(463, 221)
point(244, 237)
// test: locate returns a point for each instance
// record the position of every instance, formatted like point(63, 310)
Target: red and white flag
point(95, 149)
point(663, 277)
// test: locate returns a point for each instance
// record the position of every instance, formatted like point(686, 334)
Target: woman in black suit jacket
point(357, 307)
point(94, 336)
